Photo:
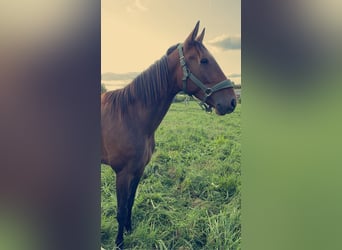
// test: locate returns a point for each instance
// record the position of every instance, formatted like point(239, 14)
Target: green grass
point(189, 196)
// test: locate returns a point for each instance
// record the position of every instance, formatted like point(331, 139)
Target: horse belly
point(117, 153)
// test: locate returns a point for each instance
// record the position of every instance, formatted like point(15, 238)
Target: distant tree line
point(103, 88)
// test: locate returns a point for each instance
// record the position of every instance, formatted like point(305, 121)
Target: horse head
point(202, 77)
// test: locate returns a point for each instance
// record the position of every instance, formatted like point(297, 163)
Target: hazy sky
point(136, 33)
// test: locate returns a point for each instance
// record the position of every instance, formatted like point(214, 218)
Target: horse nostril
point(233, 103)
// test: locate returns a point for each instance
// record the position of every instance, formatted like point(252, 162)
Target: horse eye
point(204, 61)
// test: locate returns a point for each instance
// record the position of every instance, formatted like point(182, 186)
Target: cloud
point(225, 42)
point(136, 6)
point(110, 76)
point(139, 5)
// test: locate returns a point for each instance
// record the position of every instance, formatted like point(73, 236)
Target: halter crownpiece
point(207, 91)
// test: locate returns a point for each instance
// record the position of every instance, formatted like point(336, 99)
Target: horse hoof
point(119, 244)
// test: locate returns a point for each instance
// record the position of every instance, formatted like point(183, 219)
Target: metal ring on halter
point(208, 92)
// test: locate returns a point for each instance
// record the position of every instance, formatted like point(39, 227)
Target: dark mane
point(147, 88)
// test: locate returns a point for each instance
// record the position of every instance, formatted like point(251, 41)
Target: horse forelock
point(147, 88)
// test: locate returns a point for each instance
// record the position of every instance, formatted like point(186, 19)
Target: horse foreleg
point(122, 194)
point(132, 191)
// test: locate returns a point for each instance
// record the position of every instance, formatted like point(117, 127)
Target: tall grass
point(189, 195)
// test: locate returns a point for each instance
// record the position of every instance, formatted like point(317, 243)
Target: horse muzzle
point(222, 109)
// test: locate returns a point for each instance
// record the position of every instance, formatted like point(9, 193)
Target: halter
point(207, 91)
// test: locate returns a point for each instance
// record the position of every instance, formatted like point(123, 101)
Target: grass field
point(189, 196)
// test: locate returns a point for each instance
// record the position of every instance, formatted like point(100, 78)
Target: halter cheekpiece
point(207, 91)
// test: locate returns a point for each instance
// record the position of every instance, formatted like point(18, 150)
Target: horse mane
point(147, 88)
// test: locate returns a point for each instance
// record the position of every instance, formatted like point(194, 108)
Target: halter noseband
point(207, 91)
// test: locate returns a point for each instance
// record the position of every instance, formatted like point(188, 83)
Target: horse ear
point(192, 37)
point(200, 37)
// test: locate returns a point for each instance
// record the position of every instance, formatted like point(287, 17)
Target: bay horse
point(130, 116)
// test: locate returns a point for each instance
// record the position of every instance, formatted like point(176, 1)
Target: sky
point(136, 33)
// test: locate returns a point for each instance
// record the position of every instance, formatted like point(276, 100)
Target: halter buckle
point(208, 92)
point(182, 61)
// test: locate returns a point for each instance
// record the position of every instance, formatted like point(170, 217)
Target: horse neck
point(157, 112)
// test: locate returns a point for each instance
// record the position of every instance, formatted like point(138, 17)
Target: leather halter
point(207, 91)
